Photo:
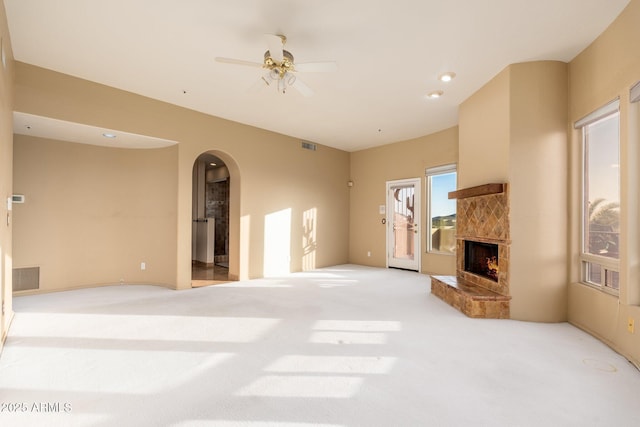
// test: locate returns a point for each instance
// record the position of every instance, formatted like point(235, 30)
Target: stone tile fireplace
point(480, 287)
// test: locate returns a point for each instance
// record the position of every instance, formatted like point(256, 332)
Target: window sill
point(604, 290)
point(440, 253)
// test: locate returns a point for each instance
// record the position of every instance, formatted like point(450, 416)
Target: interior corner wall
point(602, 72)
point(272, 177)
point(6, 177)
point(93, 214)
point(370, 170)
point(538, 190)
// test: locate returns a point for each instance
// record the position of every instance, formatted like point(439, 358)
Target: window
point(601, 197)
point(441, 234)
point(633, 207)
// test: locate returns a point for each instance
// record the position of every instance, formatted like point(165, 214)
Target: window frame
point(608, 265)
point(430, 173)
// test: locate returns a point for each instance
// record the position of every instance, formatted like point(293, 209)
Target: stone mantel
point(480, 190)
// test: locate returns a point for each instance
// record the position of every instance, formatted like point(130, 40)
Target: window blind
point(634, 93)
point(601, 112)
point(440, 169)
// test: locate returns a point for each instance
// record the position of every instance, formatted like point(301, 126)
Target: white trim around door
point(403, 224)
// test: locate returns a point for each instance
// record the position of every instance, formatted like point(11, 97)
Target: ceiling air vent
point(309, 146)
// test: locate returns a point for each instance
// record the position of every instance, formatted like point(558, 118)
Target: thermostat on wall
point(17, 198)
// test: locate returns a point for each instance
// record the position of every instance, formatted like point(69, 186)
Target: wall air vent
point(26, 279)
point(309, 146)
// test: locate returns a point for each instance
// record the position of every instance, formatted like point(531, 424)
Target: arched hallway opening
point(210, 221)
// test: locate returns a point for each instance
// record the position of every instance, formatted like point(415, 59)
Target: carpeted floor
point(341, 346)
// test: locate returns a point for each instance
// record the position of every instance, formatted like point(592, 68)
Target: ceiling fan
point(281, 66)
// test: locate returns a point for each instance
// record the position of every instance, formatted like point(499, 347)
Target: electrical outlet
point(143, 265)
point(630, 325)
point(369, 253)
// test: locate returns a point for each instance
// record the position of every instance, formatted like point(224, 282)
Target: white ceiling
point(389, 55)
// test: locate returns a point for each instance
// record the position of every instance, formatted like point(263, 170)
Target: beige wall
point(602, 72)
point(538, 191)
point(483, 119)
point(93, 214)
point(270, 174)
point(514, 130)
point(6, 147)
point(370, 170)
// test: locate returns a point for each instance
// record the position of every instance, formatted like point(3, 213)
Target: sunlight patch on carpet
point(338, 387)
point(333, 364)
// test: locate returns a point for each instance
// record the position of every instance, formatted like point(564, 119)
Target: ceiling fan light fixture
point(282, 86)
point(274, 74)
point(286, 63)
point(280, 66)
point(447, 77)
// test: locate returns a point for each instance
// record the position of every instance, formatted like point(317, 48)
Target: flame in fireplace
point(492, 267)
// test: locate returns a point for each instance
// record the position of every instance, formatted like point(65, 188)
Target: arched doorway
point(210, 234)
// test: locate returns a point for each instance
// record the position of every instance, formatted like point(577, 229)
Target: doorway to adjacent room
point(403, 216)
point(210, 221)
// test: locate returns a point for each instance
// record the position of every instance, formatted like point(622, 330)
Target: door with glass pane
point(403, 216)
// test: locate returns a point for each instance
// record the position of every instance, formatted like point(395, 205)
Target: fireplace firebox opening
point(482, 259)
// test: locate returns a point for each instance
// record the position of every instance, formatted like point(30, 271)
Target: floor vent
point(309, 146)
point(26, 279)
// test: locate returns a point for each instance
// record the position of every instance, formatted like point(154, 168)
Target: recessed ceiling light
point(435, 94)
point(108, 135)
point(213, 164)
point(447, 77)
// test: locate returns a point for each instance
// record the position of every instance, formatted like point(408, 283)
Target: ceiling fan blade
point(301, 87)
point(237, 62)
point(260, 84)
point(317, 67)
point(276, 46)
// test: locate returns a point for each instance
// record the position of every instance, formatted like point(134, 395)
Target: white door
point(403, 231)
